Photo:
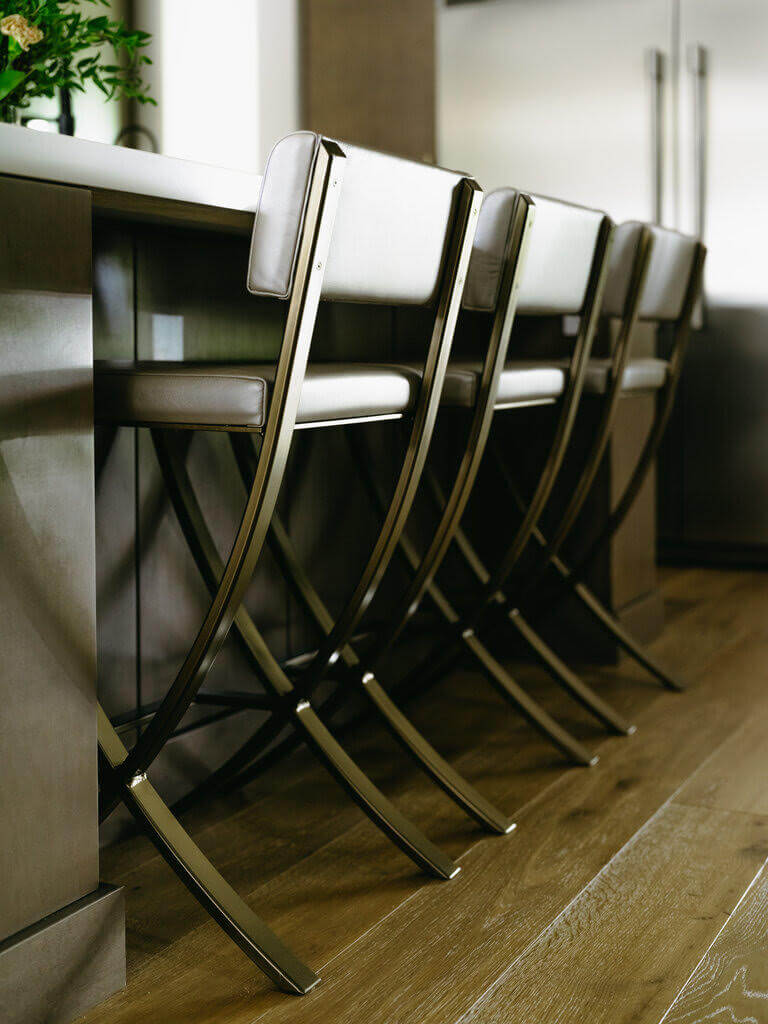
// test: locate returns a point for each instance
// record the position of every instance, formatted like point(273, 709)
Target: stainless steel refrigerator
point(653, 109)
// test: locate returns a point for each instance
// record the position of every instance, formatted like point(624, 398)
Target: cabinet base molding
point(67, 963)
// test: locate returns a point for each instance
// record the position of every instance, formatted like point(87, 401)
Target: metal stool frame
point(570, 579)
point(464, 637)
point(348, 667)
point(123, 775)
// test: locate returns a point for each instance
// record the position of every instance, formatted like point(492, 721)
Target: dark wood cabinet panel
point(368, 73)
point(49, 849)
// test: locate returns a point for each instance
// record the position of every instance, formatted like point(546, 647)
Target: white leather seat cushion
point(237, 395)
point(521, 381)
point(668, 273)
point(639, 375)
point(389, 236)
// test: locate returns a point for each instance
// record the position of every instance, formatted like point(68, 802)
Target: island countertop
point(129, 180)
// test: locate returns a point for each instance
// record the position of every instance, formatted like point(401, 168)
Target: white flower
point(17, 26)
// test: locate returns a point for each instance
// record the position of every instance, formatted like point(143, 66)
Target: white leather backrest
point(559, 259)
point(390, 233)
point(668, 273)
point(486, 263)
point(558, 262)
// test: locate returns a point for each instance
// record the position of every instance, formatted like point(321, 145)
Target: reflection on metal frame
point(424, 416)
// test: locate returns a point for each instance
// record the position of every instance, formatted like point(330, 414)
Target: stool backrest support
point(390, 234)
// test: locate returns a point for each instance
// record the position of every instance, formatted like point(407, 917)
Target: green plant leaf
point(10, 79)
point(76, 50)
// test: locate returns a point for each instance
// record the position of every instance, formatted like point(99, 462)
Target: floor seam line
point(633, 839)
point(714, 940)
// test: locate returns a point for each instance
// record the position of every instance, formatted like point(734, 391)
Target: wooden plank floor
point(630, 892)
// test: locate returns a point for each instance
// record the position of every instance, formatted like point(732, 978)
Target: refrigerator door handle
point(698, 60)
point(655, 69)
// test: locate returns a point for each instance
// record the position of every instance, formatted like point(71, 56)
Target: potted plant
point(46, 45)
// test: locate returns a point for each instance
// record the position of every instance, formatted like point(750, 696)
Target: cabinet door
point(723, 420)
point(555, 97)
point(48, 782)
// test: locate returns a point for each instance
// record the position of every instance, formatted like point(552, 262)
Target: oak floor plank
point(730, 983)
point(622, 949)
point(258, 839)
point(735, 609)
point(268, 836)
point(503, 899)
point(326, 900)
point(338, 892)
point(736, 778)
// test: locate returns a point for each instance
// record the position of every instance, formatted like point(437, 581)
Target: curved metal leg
point(197, 873)
point(477, 435)
point(262, 760)
point(567, 518)
point(423, 574)
point(426, 756)
point(293, 705)
point(461, 791)
point(614, 628)
point(576, 686)
point(603, 617)
point(563, 430)
point(464, 641)
point(656, 433)
point(338, 634)
point(570, 578)
point(558, 669)
point(424, 416)
point(491, 586)
point(449, 780)
point(561, 673)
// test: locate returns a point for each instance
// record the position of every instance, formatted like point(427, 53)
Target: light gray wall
point(551, 96)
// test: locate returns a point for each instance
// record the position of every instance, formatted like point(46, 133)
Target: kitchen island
point(68, 209)
point(117, 254)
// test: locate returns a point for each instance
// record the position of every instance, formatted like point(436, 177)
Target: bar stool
point(565, 274)
point(353, 670)
point(655, 276)
point(342, 224)
point(669, 295)
point(563, 269)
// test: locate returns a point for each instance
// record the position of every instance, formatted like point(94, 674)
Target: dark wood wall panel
point(369, 73)
point(48, 850)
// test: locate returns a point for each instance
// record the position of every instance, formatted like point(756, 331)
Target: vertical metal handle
point(697, 67)
point(654, 66)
